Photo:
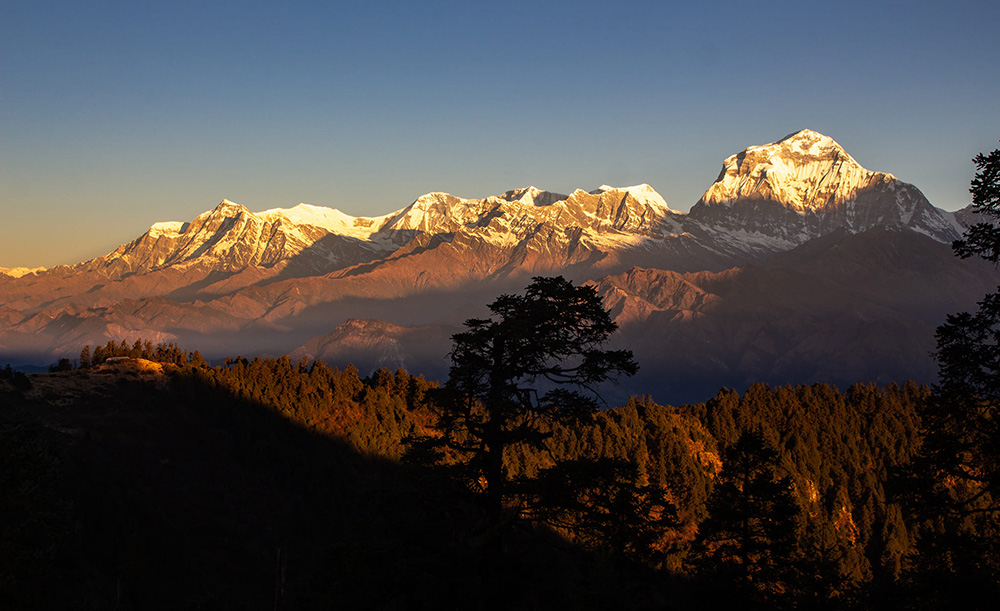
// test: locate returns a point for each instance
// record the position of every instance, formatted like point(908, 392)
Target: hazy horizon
point(117, 116)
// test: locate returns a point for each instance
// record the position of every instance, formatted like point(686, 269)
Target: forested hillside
point(157, 481)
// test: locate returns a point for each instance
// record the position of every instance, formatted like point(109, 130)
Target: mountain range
point(796, 265)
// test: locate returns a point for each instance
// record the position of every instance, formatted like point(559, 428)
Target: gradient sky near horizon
point(115, 115)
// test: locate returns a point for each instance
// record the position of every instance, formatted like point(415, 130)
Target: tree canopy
point(962, 440)
point(551, 336)
point(750, 535)
point(983, 239)
point(539, 357)
point(953, 485)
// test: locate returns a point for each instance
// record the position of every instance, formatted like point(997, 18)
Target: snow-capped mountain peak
point(17, 272)
point(166, 228)
point(767, 198)
point(643, 193)
point(230, 238)
point(435, 212)
point(806, 185)
point(249, 281)
point(227, 208)
point(811, 143)
point(802, 171)
point(330, 219)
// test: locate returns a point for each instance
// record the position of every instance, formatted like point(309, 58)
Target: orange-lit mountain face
point(790, 265)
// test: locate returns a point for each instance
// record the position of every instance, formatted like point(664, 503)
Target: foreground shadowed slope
point(178, 496)
point(266, 484)
point(141, 489)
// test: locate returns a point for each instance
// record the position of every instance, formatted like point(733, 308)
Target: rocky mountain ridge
point(766, 199)
point(231, 237)
point(234, 281)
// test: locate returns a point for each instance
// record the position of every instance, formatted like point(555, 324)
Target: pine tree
point(538, 358)
point(749, 539)
point(953, 484)
point(197, 360)
point(983, 238)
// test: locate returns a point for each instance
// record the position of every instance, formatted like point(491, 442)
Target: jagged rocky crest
point(230, 237)
point(766, 199)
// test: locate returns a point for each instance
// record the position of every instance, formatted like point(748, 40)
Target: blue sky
point(115, 115)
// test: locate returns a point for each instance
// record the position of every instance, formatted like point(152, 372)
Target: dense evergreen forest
point(270, 484)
